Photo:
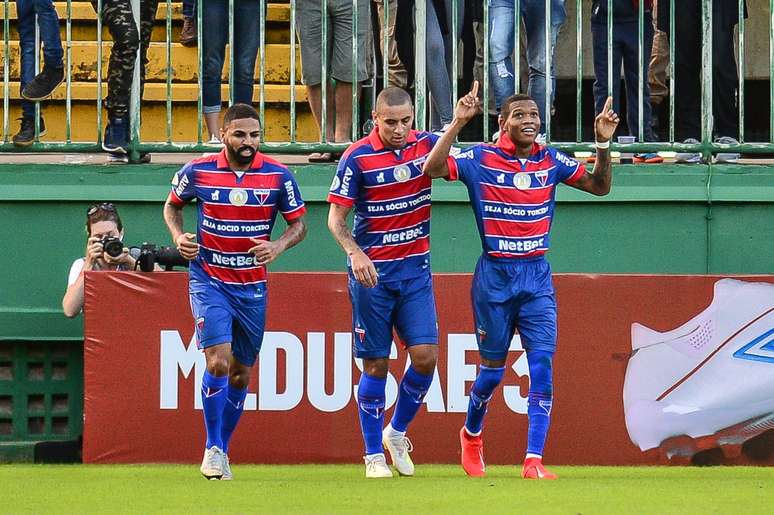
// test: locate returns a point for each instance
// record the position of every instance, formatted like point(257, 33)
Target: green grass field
point(342, 489)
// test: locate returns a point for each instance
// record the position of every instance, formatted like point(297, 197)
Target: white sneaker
point(708, 383)
point(376, 466)
point(227, 475)
point(212, 463)
point(399, 447)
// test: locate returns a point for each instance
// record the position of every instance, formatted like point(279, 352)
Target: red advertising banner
point(143, 373)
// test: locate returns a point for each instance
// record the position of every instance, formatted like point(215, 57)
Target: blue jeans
point(625, 52)
point(49, 36)
point(501, 31)
point(189, 8)
point(439, 71)
point(246, 41)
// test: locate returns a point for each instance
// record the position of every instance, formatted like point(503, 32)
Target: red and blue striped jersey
point(391, 199)
point(232, 208)
point(513, 198)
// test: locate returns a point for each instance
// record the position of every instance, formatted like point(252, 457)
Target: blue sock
point(370, 401)
point(539, 400)
point(214, 391)
point(235, 404)
point(411, 393)
point(480, 393)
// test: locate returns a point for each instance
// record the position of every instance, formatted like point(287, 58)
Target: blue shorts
point(407, 305)
point(517, 294)
point(223, 314)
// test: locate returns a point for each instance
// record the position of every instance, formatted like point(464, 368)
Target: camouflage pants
point(117, 15)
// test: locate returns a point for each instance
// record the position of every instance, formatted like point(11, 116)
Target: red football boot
point(472, 454)
point(534, 469)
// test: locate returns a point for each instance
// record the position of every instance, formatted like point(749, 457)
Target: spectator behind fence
point(104, 251)
point(688, 71)
point(440, 38)
point(41, 86)
point(339, 63)
point(247, 24)
point(501, 30)
point(396, 73)
point(117, 15)
point(657, 73)
point(190, 32)
point(625, 47)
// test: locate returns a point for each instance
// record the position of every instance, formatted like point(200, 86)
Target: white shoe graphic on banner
point(710, 382)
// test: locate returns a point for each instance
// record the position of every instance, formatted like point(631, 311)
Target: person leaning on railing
point(339, 63)
point(34, 88)
point(117, 15)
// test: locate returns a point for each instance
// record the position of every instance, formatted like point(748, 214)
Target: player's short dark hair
point(505, 108)
point(102, 212)
point(393, 96)
point(238, 112)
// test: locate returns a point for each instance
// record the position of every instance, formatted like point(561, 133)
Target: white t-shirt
point(75, 271)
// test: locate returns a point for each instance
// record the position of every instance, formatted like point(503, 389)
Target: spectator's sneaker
point(116, 139)
point(227, 475)
point(399, 447)
point(376, 466)
point(709, 382)
point(43, 84)
point(533, 469)
point(26, 135)
point(472, 455)
point(188, 36)
point(212, 463)
point(689, 157)
point(648, 158)
point(117, 159)
point(215, 141)
point(145, 157)
point(726, 157)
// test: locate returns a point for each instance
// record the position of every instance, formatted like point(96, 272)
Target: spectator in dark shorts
point(41, 86)
point(247, 24)
point(189, 33)
point(117, 15)
point(625, 51)
point(339, 99)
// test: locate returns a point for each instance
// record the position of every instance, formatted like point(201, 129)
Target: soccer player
point(239, 193)
point(389, 271)
point(511, 186)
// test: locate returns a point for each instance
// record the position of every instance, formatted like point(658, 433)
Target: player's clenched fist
point(186, 244)
point(363, 269)
point(265, 251)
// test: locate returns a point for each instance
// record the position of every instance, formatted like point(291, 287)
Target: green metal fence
point(421, 96)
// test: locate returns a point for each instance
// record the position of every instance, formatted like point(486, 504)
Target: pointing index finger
point(608, 105)
point(474, 89)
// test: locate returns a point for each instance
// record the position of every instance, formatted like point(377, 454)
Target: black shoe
point(43, 84)
point(26, 135)
point(116, 139)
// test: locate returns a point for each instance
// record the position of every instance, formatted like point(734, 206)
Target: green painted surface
point(658, 219)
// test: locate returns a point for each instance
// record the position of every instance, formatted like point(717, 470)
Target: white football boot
point(376, 466)
point(212, 463)
point(399, 447)
point(227, 475)
point(708, 383)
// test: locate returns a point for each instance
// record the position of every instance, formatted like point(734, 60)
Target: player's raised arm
point(599, 181)
point(467, 107)
point(362, 266)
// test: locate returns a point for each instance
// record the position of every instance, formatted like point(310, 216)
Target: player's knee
point(540, 372)
point(217, 364)
point(239, 377)
point(376, 367)
point(424, 362)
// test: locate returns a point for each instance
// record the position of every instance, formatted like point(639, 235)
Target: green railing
point(293, 145)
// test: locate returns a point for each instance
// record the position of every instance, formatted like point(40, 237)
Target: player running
point(389, 271)
point(239, 193)
point(511, 185)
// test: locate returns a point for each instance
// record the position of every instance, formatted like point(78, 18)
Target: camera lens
point(113, 247)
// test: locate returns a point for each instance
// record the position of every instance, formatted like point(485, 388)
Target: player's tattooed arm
point(599, 181)
point(362, 267)
point(184, 241)
point(467, 107)
point(266, 251)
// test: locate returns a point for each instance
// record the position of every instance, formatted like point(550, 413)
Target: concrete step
point(185, 62)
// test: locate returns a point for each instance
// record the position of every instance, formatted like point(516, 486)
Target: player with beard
point(511, 186)
point(239, 193)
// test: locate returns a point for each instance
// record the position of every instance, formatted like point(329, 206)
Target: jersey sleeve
point(291, 204)
point(464, 165)
point(345, 187)
point(183, 188)
point(569, 170)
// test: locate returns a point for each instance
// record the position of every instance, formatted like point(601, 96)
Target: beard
point(240, 156)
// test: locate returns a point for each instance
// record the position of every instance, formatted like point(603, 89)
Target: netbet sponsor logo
point(398, 237)
point(232, 261)
point(291, 193)
point(519, 245)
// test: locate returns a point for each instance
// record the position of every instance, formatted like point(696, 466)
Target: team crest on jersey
point(238, 197)
point(542, 176)
point(200, 323)
point(360, 333)
point(522, 181)
point(262, 195)
point(336, 183)
point(402, 173)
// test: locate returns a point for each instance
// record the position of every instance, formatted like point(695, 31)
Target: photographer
point(104, 251)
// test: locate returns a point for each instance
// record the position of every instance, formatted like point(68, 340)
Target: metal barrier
point(422, 61)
